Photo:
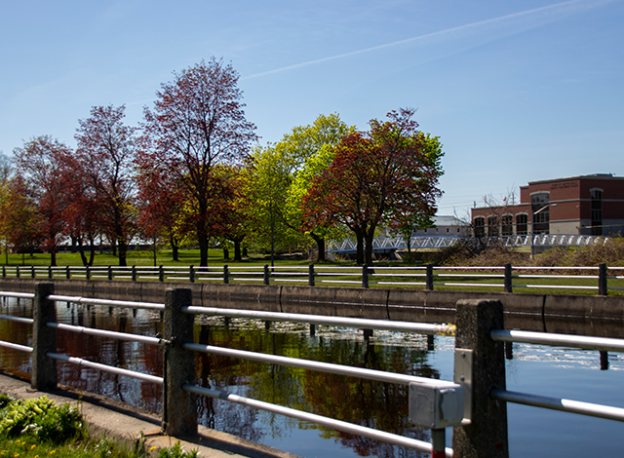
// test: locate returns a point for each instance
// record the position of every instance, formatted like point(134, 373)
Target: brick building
point(587, 204)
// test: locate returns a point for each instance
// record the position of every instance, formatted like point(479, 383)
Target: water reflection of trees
point(367, 403)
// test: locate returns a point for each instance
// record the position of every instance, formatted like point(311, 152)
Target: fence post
point(179, 408)
point(508, 284)
point(226, 274)
point(49, 272)
point(311, 275)
point(602, 279)
point(110, 273)
point(43, 376)
point(364, 276)
point(191, 274)
point(266, 274)
point(3, 271)
point(161, 273)
point(67, 272)
point(429, 286)
point(87, 272)
point(486, 436)
point(17, 272)
point(134, 273)
point(32, 272)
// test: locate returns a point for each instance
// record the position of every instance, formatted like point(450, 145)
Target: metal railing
point(598, 279)
point(389, 377)
point(435, 404)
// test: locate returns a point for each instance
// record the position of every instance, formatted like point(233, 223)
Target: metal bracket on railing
point(462, 374)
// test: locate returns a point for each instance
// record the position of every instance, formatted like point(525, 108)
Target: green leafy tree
point(377, 178)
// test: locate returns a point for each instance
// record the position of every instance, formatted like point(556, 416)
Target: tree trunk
point(226, 253)
point(92, 254)
point(123, 250)
point(320, 244)
point(81, 250)
point(174, 248)
point(203, 250)
point(237, 251)
point(53, 257)
point(359, 257)
point(369, 248)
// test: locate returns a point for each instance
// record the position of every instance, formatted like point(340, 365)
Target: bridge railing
point(479, 374)
point(598, 279)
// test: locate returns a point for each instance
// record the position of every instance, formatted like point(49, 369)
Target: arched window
point(522, 224)
point(479, 226)
point(492, 226)
point(507, 225)
point(596, 211)
point(540, 207)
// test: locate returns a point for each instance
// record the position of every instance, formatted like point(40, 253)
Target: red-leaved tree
point(38, 164)
point(198, 122)
point(106, 148)
point(382, 177)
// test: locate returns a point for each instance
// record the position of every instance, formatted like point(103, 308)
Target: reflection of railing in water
point(433, 403)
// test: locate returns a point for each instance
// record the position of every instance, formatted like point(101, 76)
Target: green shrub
point(42, 420)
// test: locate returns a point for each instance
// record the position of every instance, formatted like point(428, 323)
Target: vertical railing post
point(429, 281)
point(226, 274)
point(311, 275)
point(17, 272)
point(32, 272)
point(161, 273)
point(87, 272)
point(43, 376)
point(49, 272)
point(179, 407)
point(602, 279)
point(486, 435)
point(3, 271)
point(67, 272)
point(364, 276)
point(134, 273)
point(191, 274)
point(508, 284)
point(110, 272)
point(266, 274)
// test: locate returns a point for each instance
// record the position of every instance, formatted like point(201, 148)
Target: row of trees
point(190, 173)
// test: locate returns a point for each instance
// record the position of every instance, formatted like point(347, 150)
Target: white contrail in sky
point(531, 18)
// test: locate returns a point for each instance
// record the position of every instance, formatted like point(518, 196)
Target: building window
point(479, 227)
point(522, 224)
point(507, 225)
point(596, 211)
point(541, 213)
point(492, 226)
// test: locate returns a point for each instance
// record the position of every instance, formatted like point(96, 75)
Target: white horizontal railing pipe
point(565, 405)
point(401, 326)
point(339, 425)
point(106, 368)
point(369, 374)
point(109, 334)
point(559, 340)
point(15, 346)
point(17, 319)
point(16, 295)
point(108, 302)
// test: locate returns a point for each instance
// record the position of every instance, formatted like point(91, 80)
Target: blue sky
point(518, 91)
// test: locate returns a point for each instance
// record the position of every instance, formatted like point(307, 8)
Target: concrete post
point(226, 275)
point(508, 283)
point(43, 376)
point(602, 279)
point(486, 436)
point(311, 275)
point(179, 406)
point(429, 281)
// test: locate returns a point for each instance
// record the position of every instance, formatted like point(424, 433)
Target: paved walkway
point(107, 417)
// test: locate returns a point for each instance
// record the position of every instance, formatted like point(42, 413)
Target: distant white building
point(445, 225)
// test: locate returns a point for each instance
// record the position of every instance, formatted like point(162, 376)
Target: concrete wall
point(579, 314)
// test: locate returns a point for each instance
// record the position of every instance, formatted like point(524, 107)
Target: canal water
point(534, 432)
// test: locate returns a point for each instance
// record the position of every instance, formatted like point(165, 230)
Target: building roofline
point(595, 176)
